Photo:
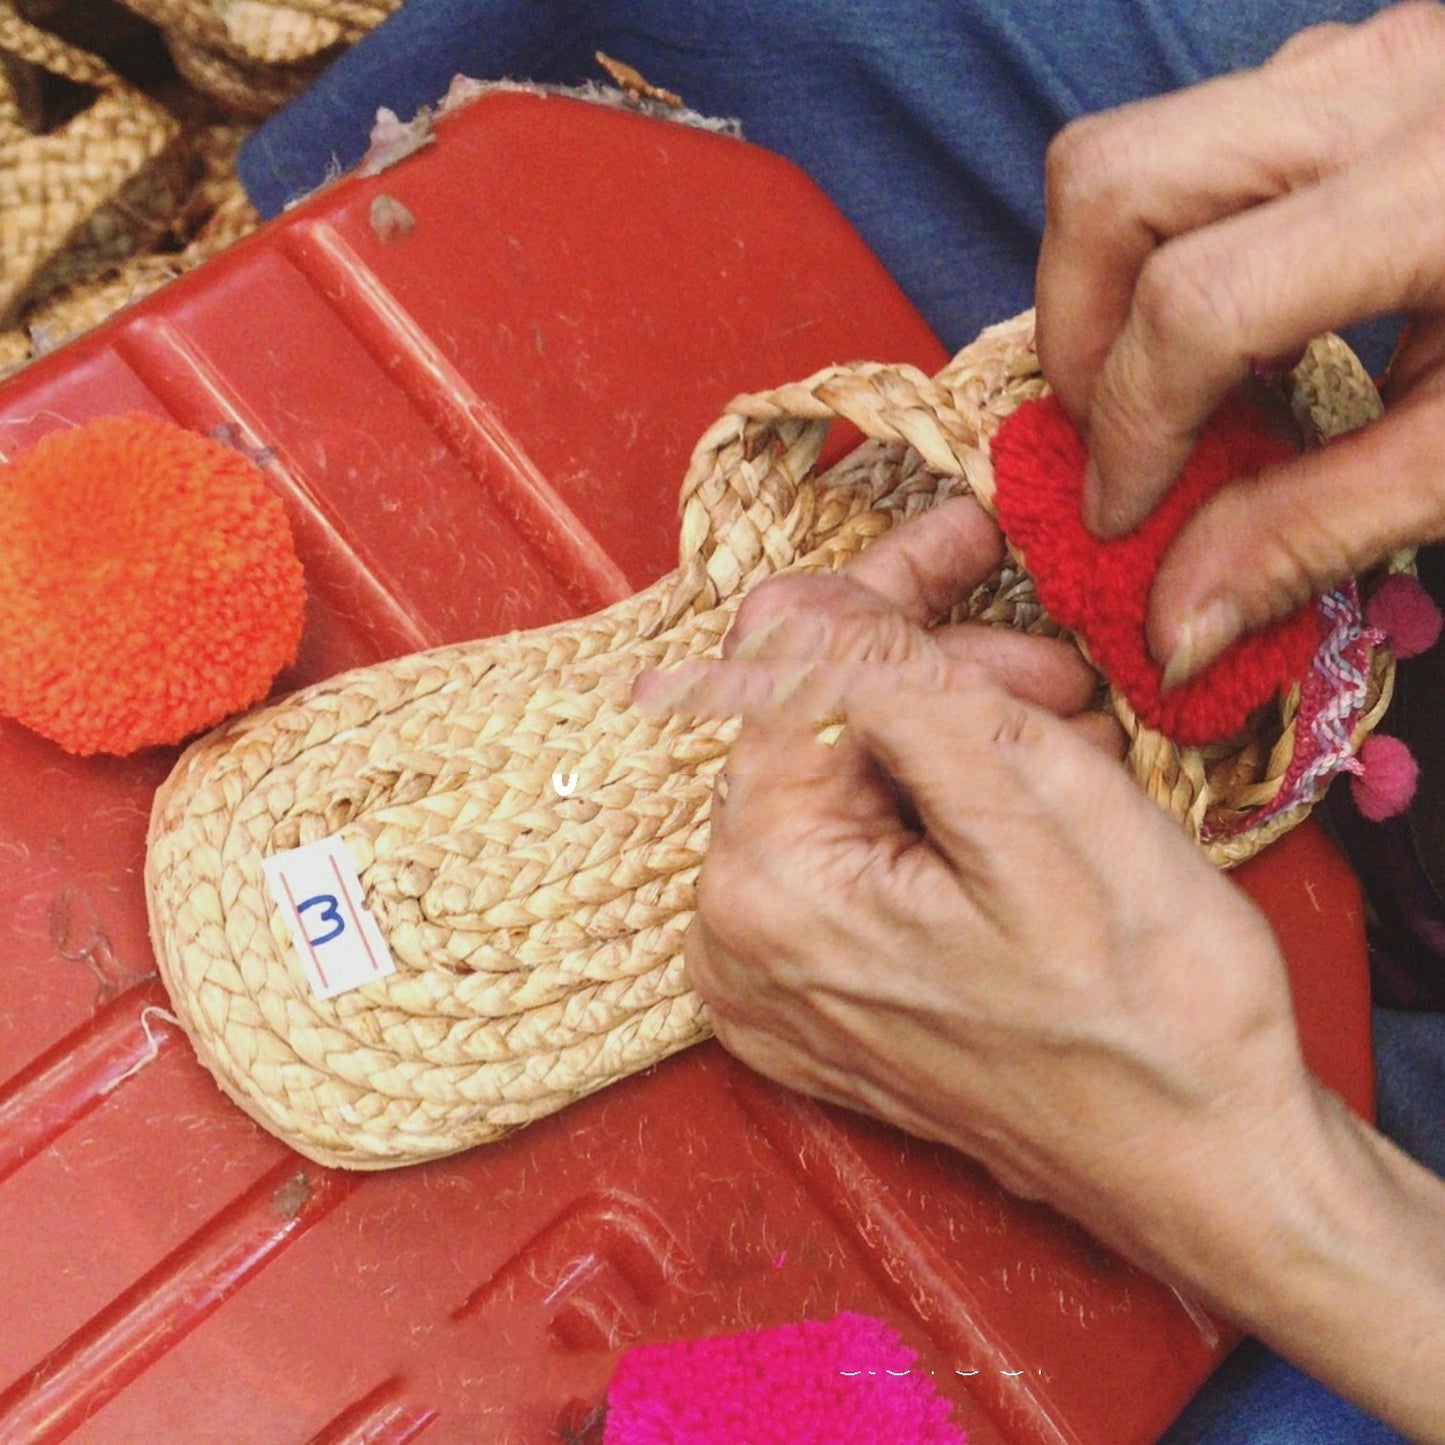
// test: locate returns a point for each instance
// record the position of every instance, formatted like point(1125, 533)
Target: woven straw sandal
point(538, 938)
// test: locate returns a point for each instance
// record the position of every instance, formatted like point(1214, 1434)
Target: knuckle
point(725, 928)
point(738, 893)
point(1294, 556)
point(887, 638)
point(732, 1036)
point(725, 889)
point(1423, 174)
point(1396, 36)
point(1187, 294)
point(1337, 137)
point(1081, 172)
point(772, 600)
point(1308, 42)
point(1290, 564)
point(1016, 724)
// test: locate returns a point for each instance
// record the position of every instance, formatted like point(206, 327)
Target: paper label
point(318, 892)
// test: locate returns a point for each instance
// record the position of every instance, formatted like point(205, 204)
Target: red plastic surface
point(478, 426)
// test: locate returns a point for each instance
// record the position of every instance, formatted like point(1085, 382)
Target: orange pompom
point(149, 585)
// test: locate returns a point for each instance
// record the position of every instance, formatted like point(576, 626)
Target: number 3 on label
point(331, 914)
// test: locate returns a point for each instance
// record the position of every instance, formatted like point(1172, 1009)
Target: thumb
point(1264, 545)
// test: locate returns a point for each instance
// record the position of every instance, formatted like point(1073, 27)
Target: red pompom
point(1405, 612)
point(1100, 590)
point(152, 587)
point(1386, 779)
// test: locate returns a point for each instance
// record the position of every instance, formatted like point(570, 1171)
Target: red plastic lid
point(480, 425)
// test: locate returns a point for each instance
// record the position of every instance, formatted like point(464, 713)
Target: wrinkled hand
point(878, 609)
point(964, 917)
point(1194, 238)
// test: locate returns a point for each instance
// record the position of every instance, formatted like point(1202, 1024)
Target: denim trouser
point(926, 122)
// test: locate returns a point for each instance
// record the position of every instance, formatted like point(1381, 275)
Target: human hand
point(1198, 237)
point(965, 918)
point(877, 609)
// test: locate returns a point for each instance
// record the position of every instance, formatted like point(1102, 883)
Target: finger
point(1309, 44)
point(786, 790)
point(703, 688)
point(919, 571)
point(785, 694)
point(713, 970)
point(785, 785)
point(1121, 184)
point(820, 617)
point(1101, 730)
point(800, 1067)
point(1417, 362)
point(1253, 286)
point(777, 754)
point(932, 562)
point(1048, 671)
point(802, 1043)
point(1015, 788)
point(1259, 548)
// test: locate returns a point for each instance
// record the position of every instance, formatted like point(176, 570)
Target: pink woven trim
point(1332, 697)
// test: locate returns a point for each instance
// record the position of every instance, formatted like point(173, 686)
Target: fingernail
point(1202, 638)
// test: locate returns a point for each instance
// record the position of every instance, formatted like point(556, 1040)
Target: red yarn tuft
point(1100, 590)
point(1386, 780)
point(1405, 612)
point(152, 585)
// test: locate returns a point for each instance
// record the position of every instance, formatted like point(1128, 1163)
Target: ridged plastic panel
point(476, 426)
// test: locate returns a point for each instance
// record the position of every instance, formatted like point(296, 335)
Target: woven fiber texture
point(252, 56)
point(138, 186)
point(538, 938)
point(99, 187)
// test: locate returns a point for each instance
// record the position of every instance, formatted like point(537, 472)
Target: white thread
point(153, 1045)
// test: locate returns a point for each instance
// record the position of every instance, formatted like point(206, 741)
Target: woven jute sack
point(537, 937)
point(99, 187)
point(253, 56)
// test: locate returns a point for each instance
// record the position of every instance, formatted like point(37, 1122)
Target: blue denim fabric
point(1410, 1093)
point(1256, 1398)
point(926, 122)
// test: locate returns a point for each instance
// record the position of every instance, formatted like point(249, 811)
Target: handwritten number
point(330, 914)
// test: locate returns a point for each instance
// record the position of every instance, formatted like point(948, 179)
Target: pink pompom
point(1385, 778)
point(1402, 609)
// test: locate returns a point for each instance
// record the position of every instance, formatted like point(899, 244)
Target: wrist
point(1333, 1253)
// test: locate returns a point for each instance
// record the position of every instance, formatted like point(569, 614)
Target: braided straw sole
point(537, 938)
